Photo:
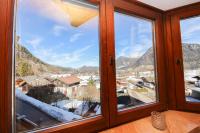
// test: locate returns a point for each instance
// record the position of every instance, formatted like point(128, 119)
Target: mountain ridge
point(191, 56)
point(28, 64)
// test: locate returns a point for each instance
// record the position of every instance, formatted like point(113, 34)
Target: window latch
point(112, 60)
point(179, 63)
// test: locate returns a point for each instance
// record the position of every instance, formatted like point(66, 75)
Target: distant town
point(192, 85)
point(78, 94)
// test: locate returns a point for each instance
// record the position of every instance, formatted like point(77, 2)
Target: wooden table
point(177, 122)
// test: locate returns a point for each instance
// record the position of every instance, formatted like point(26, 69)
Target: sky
point(45, 30)
point(190, 30)
point(133, 35)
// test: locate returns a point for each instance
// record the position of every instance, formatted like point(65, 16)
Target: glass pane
point(190, 32)
point(56, 62)
point(135, 68)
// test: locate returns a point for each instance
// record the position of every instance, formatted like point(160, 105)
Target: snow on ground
point(67, 104)
point(60, 75)
point(197, 83)
point(96, 108)
point(191, 99)
point(57, 113)
point(188, 74)
point(119, 106)
point(98, 111)
point(82, 109)
point(84, 78)
point(133, 78)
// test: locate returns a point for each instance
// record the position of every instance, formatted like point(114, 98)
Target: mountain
point(145, 62)
point(125, 62)
point(142, 63)
point(28, 64)
point(88, 69)
point(191, 56)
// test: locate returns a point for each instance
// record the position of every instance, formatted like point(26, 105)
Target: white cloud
point(35, 42)
point(58, 29)
point(68, 58)
point(145, 27)
point(94, 62)
point(62, 59)
point(190, 30)
point(60, 45)
point(124, 52)
point(137, 43)
point(75, 37)
point(124, 42)
point(187, 33)
point(46, 8)
point(137, 51)
point(146, 41)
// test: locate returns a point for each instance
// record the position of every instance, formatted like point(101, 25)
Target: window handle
point(112, 60)
point(179, 63)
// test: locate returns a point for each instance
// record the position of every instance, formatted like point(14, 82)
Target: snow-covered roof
point(35, 80)
point(57, 113)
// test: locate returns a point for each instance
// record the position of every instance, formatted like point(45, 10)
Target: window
point(135, 61)
point(190, 32)
point(57, 76)
point(185, 58)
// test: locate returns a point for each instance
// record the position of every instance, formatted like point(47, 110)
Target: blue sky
point(133, 36)
point(51, 37)
point(190, 30)
point(45, 30)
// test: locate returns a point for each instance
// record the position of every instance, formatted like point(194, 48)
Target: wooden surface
point(177, 122)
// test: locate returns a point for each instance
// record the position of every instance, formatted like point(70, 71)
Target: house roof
point(33, 114)
point(196, 77)
point(70, 80)
point(20, 82)
point(36, 80)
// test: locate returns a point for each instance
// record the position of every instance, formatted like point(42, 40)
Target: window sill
point(177, 122)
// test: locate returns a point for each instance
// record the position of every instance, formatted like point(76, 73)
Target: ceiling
point(168, 4)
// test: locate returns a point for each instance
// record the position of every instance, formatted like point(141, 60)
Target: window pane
point(56, 62)
point(135, 68)
point(190, 32)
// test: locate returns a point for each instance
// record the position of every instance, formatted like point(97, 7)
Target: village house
point(197, 83)
point(26, 83)
point(22, 85)
point(147, 83)
point(67, 85)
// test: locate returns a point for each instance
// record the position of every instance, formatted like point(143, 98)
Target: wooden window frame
point(174, 44)
point(131, 7)
point(6, 26)
point(169, 90)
